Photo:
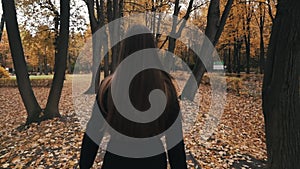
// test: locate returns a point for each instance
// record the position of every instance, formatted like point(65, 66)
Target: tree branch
point(223, 21)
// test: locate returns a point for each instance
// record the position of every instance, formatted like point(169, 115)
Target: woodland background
point(257, 40)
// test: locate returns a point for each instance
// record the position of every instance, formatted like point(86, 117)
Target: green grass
point(36, 77)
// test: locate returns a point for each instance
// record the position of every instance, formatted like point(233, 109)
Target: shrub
point(3, 73)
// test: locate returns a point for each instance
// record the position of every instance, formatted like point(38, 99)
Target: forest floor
point(237, 142)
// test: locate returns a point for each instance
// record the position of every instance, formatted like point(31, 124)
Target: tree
point(32, 107)
point(1, 26)
point(96, 22)
point(51, 109)
point(39, 48)
point(281, 104)
point(248, 9)
point(213, 31)
point(261, 24)
point(176, 34)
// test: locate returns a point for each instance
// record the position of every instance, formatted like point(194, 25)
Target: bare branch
point(223, 21)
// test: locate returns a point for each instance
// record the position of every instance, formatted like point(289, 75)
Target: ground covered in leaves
point(238, 141)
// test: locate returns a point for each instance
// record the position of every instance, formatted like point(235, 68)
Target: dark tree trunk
point(99, 41)
point(158, 33)
point(281, 104)
point(235, 56)
point(261, 33)
point(114, 12)
point(56, 22)
point(32, 107)
point(248, 54)
point(104, 44)
point(97, 23)
point(247, 44)
point(106, 66)
point(52, 109)
point(45, 64)
point(225, 57)
point(247, 33)
point(115, 33)
point(40, 63)
point(1, 26)
point(229, 67)
point(261, 53)
point(109, 12)
point(213, 32)
point(95, 45)
point(239, 59)
point(176, 34)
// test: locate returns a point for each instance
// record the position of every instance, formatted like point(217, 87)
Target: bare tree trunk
point(225, 57)
point(158, 34)
point(115, 33)
point(213, 32)
point(262, 53)
point(281, 104)
point(106, 57)
point(246, 26)
point(261, 33)
point(32, 107)
point(52, 109)
point(56, 20)
point(247, 44)
point(1, 26)
point(176, 34)
point(99, 44)
point(239, 45)
point(235, 56)
point(95, 45)
point(229, 66)
point(109, 13)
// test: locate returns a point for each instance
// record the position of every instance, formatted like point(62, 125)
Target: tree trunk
point(95, 45)
point(1, 26)
point(199, 69)
point(213, 32)
point(235, 56)
point(247, 54)
point(247, 33)
point(280, 94)
point(158, 33)
point(32, 107)
point(52, 109)
point(109, 13)
point(261, 33)
point(239, 59)
point(225, 57)
point(114, 30)
point(229, 67)
point(262, 52)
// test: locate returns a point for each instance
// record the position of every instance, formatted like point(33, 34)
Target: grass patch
point(40, 77)
point(35, 82)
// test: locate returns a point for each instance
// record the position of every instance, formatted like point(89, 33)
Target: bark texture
point(281, 88)
point(32, 107)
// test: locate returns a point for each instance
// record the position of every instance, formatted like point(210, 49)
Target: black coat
point(89, 148)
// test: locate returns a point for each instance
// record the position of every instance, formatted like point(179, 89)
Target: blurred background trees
point(246, 26)
point(242, 45)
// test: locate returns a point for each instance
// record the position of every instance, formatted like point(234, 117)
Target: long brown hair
point(139, 90)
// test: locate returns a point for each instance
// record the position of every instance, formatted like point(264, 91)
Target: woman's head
point(138, 38)
point(140, 88)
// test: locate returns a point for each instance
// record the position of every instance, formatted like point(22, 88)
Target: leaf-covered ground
point(238, 141)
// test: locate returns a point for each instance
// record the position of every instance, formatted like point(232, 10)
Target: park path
point(238, 141)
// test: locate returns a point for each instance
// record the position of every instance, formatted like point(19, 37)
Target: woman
point(140, 87)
